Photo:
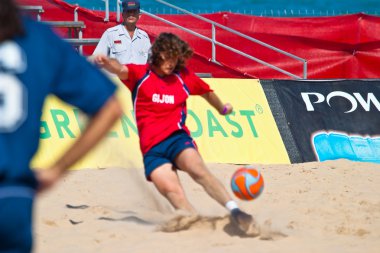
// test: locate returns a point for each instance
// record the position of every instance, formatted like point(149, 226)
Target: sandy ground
point(310, 207)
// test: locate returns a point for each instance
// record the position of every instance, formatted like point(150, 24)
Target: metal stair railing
point(84, 41)
point(37, 9)
point(212, 40)
point(76, 26)
point(215, 43)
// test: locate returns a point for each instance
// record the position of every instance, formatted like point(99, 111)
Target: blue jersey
point(31, 67)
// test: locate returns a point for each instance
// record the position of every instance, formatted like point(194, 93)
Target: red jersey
point(160, 102)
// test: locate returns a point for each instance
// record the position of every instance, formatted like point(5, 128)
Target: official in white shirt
point(125, 42)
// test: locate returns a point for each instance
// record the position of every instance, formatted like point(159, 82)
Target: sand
point(310, 207)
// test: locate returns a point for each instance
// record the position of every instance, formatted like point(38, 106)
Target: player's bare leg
point(191, 162)
point(166, 180)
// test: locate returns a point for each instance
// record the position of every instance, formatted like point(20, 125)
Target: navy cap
point(129, 5)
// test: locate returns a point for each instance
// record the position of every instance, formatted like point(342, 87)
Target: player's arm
point(112, 65)
point(97, 128)
point(215, 101)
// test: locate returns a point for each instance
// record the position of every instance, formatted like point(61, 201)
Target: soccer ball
point(247, 183)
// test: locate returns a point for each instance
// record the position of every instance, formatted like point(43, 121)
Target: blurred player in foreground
point(159, 93)
point(34, 62)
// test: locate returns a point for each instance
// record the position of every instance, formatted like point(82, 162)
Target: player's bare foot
point(245, 222)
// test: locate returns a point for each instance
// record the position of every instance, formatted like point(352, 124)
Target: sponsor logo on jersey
point(163, 99)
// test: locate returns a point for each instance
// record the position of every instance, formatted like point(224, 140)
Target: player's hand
point(111, 65)
point(100, 60)
point(46, 178)
point(227, 109)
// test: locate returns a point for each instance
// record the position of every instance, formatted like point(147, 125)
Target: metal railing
point(107, 8)
point(215, 43)
point(213, 40)
point(81, 42)
point(37, 9)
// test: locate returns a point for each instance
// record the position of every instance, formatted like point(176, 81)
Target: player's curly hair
point(10, 21)
point(171, 46)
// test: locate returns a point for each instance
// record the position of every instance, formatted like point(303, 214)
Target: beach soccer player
point(159, 93)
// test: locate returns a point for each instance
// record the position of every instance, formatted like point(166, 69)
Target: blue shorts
point(166, 151)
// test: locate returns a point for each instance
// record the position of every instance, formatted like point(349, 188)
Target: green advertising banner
point(248, 135)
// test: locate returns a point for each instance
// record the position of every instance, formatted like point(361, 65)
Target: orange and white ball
point(247, 183)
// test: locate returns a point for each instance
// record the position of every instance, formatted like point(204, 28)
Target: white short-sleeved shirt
point(116, 43)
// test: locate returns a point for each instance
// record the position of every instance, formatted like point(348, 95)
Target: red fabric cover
point(335, 47)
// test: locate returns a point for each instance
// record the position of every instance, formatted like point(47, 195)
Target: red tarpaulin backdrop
point(334, 47)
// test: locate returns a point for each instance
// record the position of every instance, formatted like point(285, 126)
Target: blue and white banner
point(332, 119)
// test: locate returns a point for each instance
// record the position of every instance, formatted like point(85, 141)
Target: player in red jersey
point(159, 92)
